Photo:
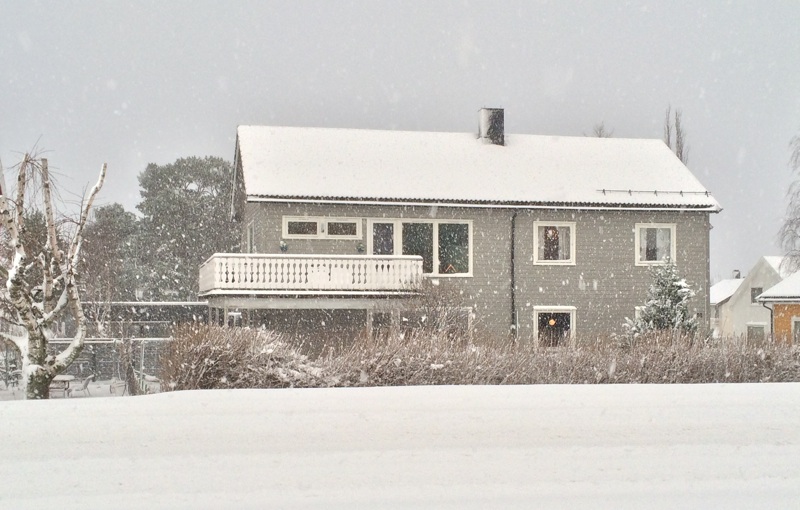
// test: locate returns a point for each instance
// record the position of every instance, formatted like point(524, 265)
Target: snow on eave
point(786, 290)
point(486, 204)
point(723, 290)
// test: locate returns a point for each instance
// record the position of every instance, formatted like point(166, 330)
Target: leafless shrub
point(204, 357)
point(212, 357)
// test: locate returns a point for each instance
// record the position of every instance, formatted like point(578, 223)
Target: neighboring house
point(719, 299)
point(783, 301)
point(743, 315)
point(547, 238)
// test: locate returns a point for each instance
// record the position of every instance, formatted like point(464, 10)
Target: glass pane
point(342, 228)
point(755, 333)
point(453, 248)
point(655, 244)
point(418, 240)
point(554, 328)
point(302, 228)
point(663, 243)
point(554, 242)
point(383, 239)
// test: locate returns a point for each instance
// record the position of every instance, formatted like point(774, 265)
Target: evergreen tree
point(667, 306)
point(185, 219)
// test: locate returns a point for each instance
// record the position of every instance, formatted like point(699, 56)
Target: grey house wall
point(604, 285)
point(487, 291)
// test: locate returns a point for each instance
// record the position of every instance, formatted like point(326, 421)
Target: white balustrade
point(262, 272)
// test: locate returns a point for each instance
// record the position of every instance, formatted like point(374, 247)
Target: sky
point(132, 83)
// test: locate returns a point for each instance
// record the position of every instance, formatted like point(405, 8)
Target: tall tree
point(185, 219)
point(35, 306)
point(108, 255)
point(790, 230)
point(674, 135)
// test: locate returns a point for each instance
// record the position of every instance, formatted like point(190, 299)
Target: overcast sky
point(131, 83)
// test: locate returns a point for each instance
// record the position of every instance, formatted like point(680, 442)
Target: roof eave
point(711, 208)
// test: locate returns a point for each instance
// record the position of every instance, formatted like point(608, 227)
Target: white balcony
point(267, 274)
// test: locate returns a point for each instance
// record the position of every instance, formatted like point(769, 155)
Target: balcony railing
point(235, 273)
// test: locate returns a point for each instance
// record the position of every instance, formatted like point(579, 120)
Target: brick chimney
point(491, 126)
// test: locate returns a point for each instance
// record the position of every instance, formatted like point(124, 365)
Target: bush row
point(206, 357)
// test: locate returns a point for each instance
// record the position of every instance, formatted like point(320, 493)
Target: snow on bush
point(211, 357)
point(207, 357)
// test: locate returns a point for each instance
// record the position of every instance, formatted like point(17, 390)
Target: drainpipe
point(514, 325)
point(771, 320)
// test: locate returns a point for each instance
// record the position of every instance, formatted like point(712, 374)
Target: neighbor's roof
point(723, 290)
point(776, 261)
point(406, 166)
point(786, 290)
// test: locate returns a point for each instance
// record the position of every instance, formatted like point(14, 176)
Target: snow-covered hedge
point(213, 357)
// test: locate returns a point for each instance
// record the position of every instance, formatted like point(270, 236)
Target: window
point(554, 242)
point(444, 245)
point(796, 330)
point(655, 243)
point(553, 326)
point(755, 332)
point(754, 293)
point(321, 228)
point(251, 234)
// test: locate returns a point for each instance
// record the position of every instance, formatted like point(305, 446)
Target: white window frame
point(756, 302)
point(398, 240)
point(543, 262)
point(795, 319)
point(322, 227)
point(762, 325)
point(672, 245)
point(571, 310)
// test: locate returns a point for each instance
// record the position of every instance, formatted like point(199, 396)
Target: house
point(743, 315)
point(783, 302)
point(719, 299)
point(547, 238)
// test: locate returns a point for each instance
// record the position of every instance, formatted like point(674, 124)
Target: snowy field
point(592, 446)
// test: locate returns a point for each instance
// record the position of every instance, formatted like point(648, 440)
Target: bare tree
point(600, 131)
point(790, 230)
point(674, 135)
point(35, 307)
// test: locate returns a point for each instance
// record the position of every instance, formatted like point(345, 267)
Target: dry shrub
point(203, 356)
point(430, 357)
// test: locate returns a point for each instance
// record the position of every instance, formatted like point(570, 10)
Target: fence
point(101, 356)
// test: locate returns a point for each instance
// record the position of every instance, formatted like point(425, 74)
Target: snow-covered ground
point(592, 446)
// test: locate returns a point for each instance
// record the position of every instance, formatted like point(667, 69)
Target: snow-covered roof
point(406, 166)
point(786, 290)
point(776, 261)
point(723, 290)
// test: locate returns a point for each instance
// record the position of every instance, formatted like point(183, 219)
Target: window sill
point(554, 263)
point(646, 263)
